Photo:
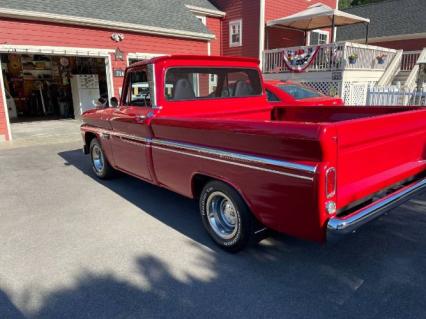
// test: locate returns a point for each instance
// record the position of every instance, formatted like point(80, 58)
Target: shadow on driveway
point(376, 273)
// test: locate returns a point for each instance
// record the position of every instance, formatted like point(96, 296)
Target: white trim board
point(66, 19)
point(261, 32)
point(110, 76)
point(207, 12)
point(141, 56)
point(53, 50)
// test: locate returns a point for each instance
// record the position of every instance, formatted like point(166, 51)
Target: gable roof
point(387, 19)
point(165, 17)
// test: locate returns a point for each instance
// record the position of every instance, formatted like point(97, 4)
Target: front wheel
point(226, 216)
point(100, 164)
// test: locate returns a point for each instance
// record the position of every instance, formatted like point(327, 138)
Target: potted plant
point(381, 58)
point(353, 58)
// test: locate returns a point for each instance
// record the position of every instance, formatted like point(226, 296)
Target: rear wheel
point(100, 164)
point(226, 216)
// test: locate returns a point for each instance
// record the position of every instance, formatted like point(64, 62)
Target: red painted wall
point(406, 45)
point(23, 32)
point(249, 12)
point(279, 38)
point(274, 9)
point(215, 25)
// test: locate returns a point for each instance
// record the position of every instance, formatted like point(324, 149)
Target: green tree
point(343, 4)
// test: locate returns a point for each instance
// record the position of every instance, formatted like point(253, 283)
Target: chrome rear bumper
point(349, 223)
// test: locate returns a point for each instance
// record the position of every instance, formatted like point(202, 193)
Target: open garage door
point(52, 84)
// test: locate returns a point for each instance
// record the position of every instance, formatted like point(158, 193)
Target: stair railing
point(410, 83)
point(392, 69)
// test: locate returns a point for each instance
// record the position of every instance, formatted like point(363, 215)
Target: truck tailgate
point(377, 152)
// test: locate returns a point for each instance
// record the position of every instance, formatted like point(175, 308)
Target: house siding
point(406, 45)
point(36, 33)
point(249, 12)
point(215, 26)
point(274, 9)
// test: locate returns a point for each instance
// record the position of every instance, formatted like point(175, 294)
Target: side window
point(318, 37)
point(138, 92)
point(272, 97)
point(235, 33)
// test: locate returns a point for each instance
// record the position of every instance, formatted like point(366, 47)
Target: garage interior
point(43, 87)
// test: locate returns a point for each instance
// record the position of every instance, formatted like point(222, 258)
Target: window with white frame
point(235, 33)
point(318, 37)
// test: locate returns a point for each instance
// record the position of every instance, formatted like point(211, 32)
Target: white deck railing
point(409, 59)
point(334, 56)
point(395, 96)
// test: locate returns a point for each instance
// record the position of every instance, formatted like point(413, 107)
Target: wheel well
point(88, 137)
point(200, 180)
point(198, 183)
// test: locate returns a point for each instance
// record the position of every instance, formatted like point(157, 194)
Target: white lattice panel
point(330, 88)
point(355, 93)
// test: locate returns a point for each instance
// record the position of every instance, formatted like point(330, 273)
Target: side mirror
point(114, 102)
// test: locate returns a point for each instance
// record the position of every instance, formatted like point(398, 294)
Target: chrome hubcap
point(222, 215)
point(97, 158)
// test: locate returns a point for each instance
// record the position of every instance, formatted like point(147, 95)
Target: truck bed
point(371, 149)
point(332, 114)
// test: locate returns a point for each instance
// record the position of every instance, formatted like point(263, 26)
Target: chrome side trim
point(126, 137)
point(237, 156)
point(227, 157)
point(233, 163)
point(348, 224)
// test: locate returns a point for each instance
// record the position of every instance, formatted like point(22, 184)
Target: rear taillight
point(330, 182)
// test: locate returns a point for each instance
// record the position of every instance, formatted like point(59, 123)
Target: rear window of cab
point(182, 84)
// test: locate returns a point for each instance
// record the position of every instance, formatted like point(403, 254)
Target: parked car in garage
point(304, 171)
point(296, 94)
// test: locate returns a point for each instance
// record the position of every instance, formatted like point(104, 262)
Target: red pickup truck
point(202, 127)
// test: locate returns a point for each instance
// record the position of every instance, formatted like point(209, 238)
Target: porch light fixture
point(118, 54)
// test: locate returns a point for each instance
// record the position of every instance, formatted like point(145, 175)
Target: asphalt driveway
point(74, 247)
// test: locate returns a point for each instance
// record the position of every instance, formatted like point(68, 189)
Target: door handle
point(140, 118)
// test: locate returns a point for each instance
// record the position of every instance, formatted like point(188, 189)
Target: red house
point(244, 26)
point(57, 55)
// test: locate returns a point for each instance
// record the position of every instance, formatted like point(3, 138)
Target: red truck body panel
point(275, 157)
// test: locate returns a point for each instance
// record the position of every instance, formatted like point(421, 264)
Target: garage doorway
point(42, 83)
point(50, 87)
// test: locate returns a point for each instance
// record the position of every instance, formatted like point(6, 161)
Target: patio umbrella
point(319, 16)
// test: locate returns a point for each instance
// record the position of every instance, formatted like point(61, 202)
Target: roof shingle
point(168, 14)
point(388, 18)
